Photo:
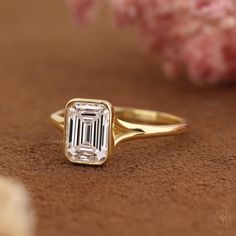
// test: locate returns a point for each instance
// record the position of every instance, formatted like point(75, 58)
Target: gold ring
point(92, 128)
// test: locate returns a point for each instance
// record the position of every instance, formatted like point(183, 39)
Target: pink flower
point(215, 9)
point(204, 59)
point(126, 11)
point(197, 34)
point(82, 9)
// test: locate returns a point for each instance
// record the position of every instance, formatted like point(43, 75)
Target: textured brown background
point(181, 185)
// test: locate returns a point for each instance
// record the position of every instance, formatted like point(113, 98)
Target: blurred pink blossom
point(197, 34)
point(83, 9)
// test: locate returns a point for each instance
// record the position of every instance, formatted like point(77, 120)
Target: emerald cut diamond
point(87, 132)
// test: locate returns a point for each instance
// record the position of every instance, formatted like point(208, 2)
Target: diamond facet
point(87, 132)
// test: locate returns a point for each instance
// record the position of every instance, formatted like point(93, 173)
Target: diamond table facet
point(87, 132)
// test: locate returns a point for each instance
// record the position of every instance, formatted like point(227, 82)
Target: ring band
point(92, 128)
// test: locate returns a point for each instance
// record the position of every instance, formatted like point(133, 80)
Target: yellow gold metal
point(131, 123)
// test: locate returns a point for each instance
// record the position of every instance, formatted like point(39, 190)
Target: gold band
point(134, 123)
point(131, 123)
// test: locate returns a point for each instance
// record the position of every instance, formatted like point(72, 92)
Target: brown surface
point(181, 185)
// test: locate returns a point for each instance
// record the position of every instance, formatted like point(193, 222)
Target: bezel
point(110, 134)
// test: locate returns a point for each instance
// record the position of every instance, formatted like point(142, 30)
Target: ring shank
point(134, 123)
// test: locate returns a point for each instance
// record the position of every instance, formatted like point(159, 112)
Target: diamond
point(87, 132)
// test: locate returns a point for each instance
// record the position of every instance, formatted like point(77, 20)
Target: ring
point(92, 128)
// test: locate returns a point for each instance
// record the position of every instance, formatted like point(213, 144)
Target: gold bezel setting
point(91, 158)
